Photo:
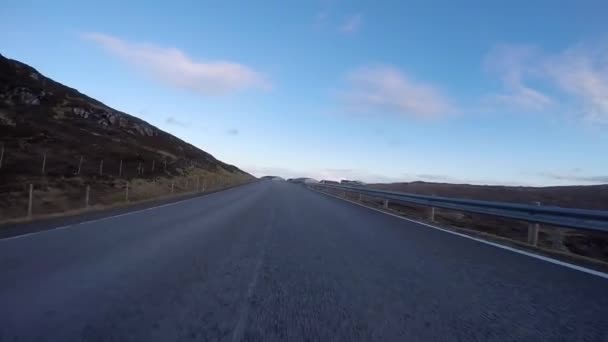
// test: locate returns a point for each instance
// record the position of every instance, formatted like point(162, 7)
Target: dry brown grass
point(68, 197)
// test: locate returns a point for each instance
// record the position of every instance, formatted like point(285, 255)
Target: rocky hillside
point(52, 134)
point(40, 115)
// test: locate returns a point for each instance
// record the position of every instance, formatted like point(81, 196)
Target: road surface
point(273, 261)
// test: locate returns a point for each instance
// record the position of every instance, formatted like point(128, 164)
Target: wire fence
point(57, 183)
point(34, 160)
point(39, 199)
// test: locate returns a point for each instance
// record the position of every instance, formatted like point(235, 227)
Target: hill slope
point(45, 122)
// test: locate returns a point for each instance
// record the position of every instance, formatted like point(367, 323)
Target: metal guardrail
point(593, 220)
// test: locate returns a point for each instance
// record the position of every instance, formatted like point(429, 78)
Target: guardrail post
point(44, 163)
point(432, 214)
point(360, 197)
point(86, 196)
point(1, 155)
point(385, 204)
point(533, 232)
point(127, 192)
point(79, 165)
point(30, 201)
point(120, 169)
point(172, 187)
point(101, 167)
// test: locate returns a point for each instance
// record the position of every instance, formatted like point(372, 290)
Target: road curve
point(272, 261)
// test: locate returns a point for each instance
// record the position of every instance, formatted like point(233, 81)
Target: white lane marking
point(239, 329)
point(514, 250)
point(106, 218)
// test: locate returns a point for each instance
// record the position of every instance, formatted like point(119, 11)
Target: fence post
point(120, 169)
point(1, 155)
point(86, 196)
point(30, 201)
point(533, 232)
point(127, 192)
point(360, 197)
point(165, 164)
point(385, 204)
point(101, 167)
point(153, 164)
point(44, 163)
point(139, 169)
point(204, 185)
point(172, 187)
point(79, 165)
point(198, 184)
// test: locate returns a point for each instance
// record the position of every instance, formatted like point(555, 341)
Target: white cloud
point(582, 72)
point(576, 78)
point(174, 67)
point(512, 64)
point(388, 90)
point(351, 24)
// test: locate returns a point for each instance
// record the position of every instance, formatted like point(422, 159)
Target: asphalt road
point(272, 261)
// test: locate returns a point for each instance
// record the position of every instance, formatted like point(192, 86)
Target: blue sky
point(483, 92)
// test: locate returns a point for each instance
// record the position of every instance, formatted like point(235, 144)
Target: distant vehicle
point(351, 182)
point(272, 178)
point(302, 180)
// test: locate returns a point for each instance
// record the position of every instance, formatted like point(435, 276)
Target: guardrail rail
point(591, 220)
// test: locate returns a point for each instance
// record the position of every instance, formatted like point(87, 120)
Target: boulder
point(81, 112)
point(149, 131)
point(23, 96)
point(122, 122)
point(6, 120)
point(111, 117)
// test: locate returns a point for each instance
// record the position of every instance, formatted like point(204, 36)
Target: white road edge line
point(102, 218)
point(514, 250)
